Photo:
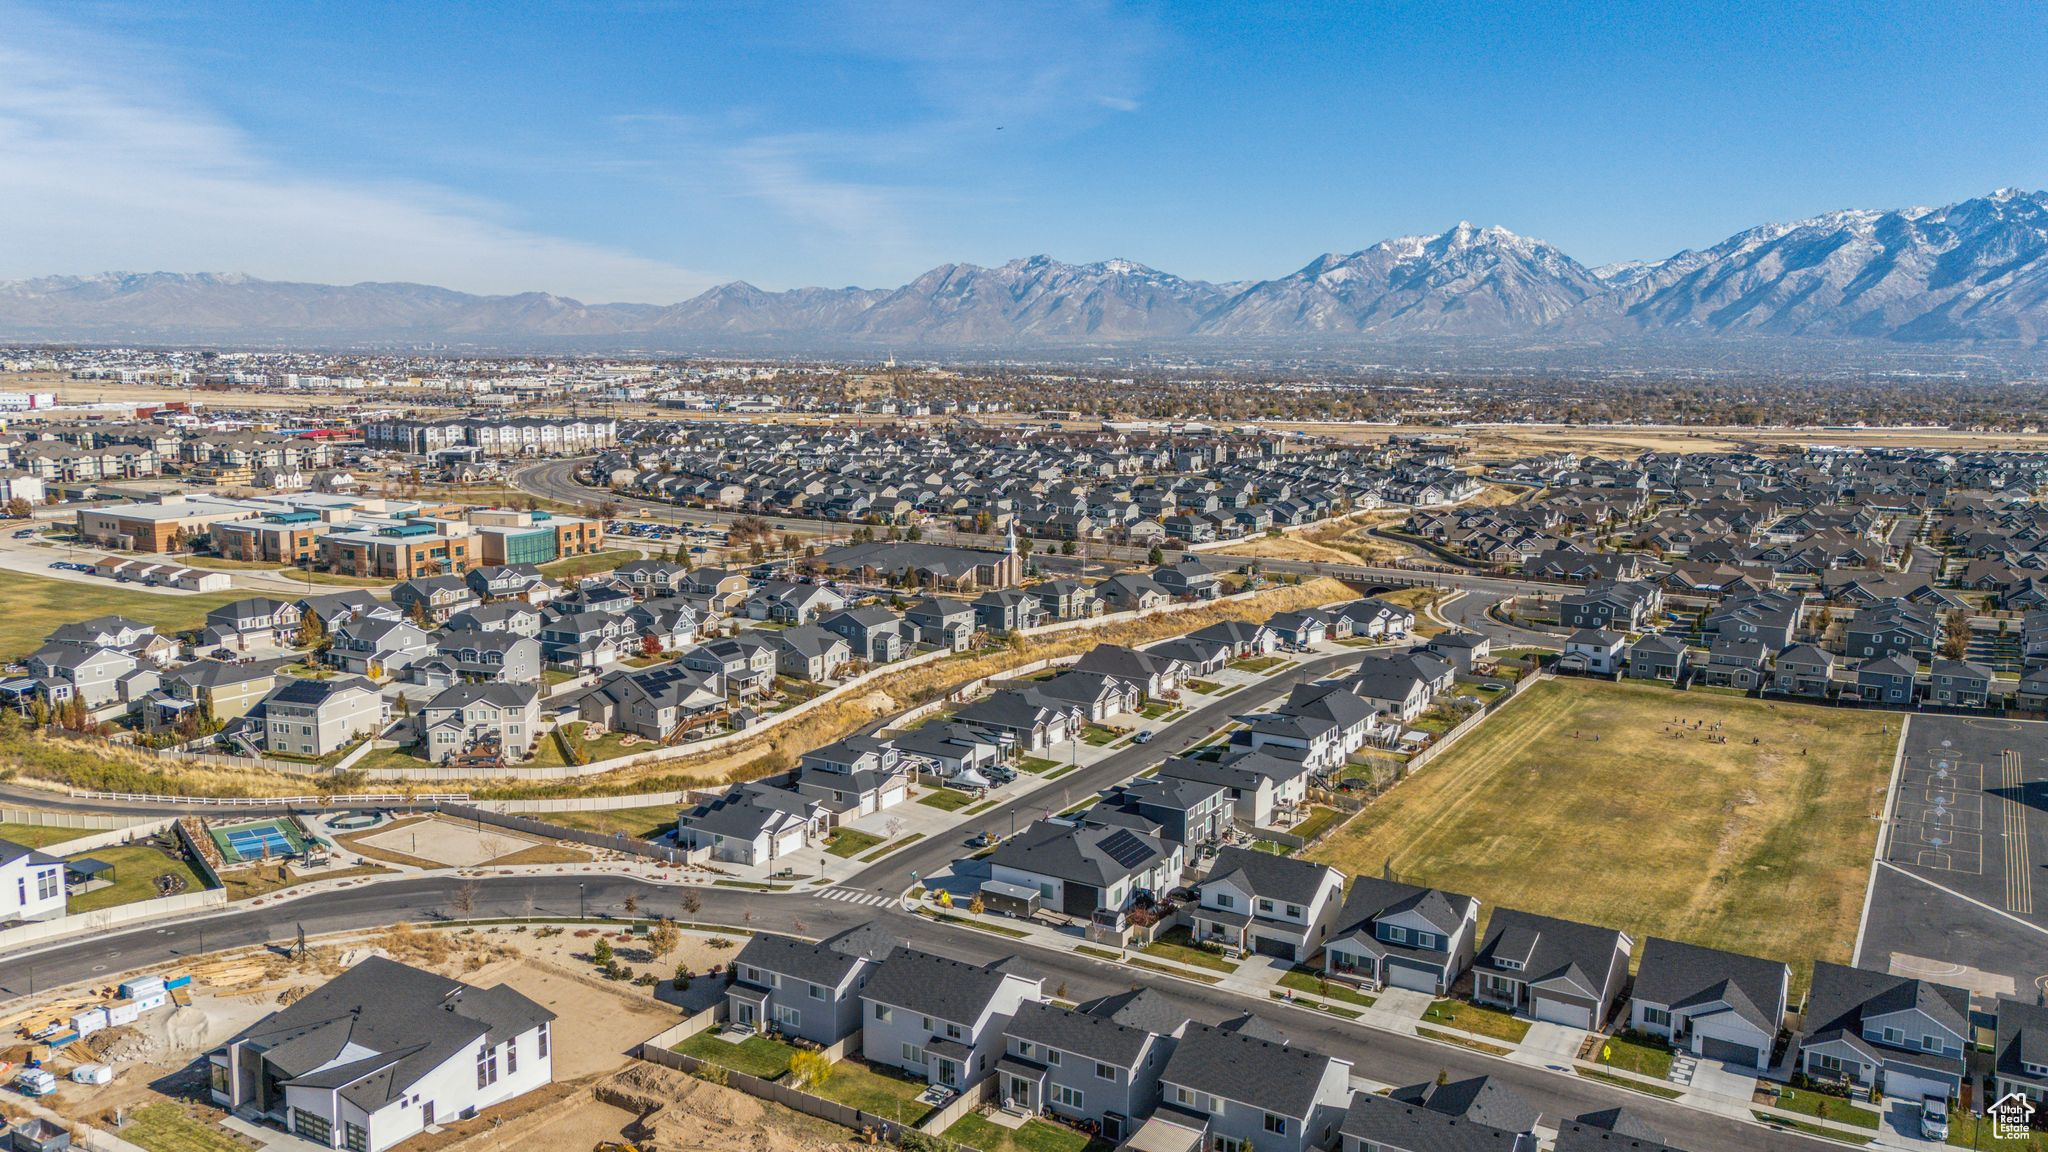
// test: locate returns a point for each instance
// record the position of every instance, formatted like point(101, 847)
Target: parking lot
point(1957, 896)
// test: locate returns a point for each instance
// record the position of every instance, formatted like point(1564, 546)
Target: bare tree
point(463, 901)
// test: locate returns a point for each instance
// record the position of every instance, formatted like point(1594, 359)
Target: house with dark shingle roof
point(1082, 1066)
point(940, 1018)
point(2020, 1054)
point(1720, 1005)
point(1078, 871)
point(382, 1052)
point(1244, 1087)
point(1403, 935)
point(1256, 902)
point(1376, 1123)
point(1551, 969)
point(805, 990)
point(1904, 1036)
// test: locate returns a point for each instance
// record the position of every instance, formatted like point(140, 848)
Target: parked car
point(1934, 1118)
point(1142, 738)
point(24, 533)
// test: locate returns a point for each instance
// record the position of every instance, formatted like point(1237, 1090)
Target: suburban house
point(37, 888)
point(1356, 721)
point(1714, 1004)
point(1256, 902)
point(947, 625)
point(856, 777)
point(805, 990)
point(500, 718)
point(1738, 662)
point(383, 1052)
point(1085, 870)
point(1068, 599)
point(1402, 936)
point(480, 657)
point(1594, 650)
point(376, 646)
point(1131, 592)
point(1891, 628)
point(1888, 680)
point(1304, 628)
point(1438, 1118)
point(1154, 674)
point(1190, 578)
point(874, 633)
point(940, 1018)
point(226, 689)
point(1081, 1066)
point(1313, 740)
point(1464, 651)
point(316, 717)
point(1263, 788)
point(1658, 657)
point(2020, 1053)
point(787, 603)
point(658, 703)
point(948, 749)
point(1000, 611)
point(1098, 696)
point(1556, 970)
point(255, 622)
point(1374, 619)
point(1245, 1087)
point(754, 823)
point(1903, 1036)
point(1193, 814)
point(1401, 693)
point(1034, 720)
point(1623, 606)
point(434, 598)
point(1804, 670)
point(1959, 684)
point(808, 652)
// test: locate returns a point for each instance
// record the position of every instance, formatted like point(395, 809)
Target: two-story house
point(1402, 936)
point(1903, 1036)
point(471, 717)
point(2020, 1052)
point(805, 990)
point(1256, 902)
point(316, 717)
point(1082, 1067)
point(1245, 1087)
point(942, 1019)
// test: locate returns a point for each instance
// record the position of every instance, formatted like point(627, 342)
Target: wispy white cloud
point(104, 171)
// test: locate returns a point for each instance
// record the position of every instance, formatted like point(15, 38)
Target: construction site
point(139, 1042)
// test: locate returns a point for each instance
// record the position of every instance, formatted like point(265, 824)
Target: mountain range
point(1975, 273)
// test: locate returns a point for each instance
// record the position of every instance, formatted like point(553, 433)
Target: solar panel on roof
point(1125, 848)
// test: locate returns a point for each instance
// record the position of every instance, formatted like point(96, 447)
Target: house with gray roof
point(1890, 679)
point(1719, 1005)
point(1256, 902)
point(948, 749)
point(1263, 787)
point(1903, 1036)
point(803, 989)
point(316, 717)
point(2020, 1052)
point(754, 823)
point(942, 1019)
point(1473, 1114)
point(1402, 935)
point(808, 652)
point(1658, 657)
point(1242, 1088)
point(1081, 1067)
point(374, 642)
point(1192, 813)
point(940, 622)
point(468, 718)
point(1079, 871)
point(1551, 969)
point(383, 1052)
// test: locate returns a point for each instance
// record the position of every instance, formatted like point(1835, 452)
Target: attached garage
point(1413, 978)
point(1909, 1084)
point(1279, 946)
point(1561, 1012)
point(1730, 1052)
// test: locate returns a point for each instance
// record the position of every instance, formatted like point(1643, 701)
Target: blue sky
point(645, 150)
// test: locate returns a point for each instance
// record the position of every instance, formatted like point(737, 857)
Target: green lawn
point(1258, 663)
point(136, 867)
point(1964, 1132)
point(849, 842)
point(946, 799)
point(1477, 1018)
point(1631, 1054)
point(31, 606)
point(1531, 811)
point(1158, 710)
point(1035, 764)
point(1097, 735)
point(547, 752)
point(1318, 821)
point(167, 1127)
point(1303, 980)
point(1205, 687)
point(41, 835)
point(1035, 1136)
point(572, 567)
point(755, 1056)
point(879, 1091)
point(1178, 945)
point(1807, 1103)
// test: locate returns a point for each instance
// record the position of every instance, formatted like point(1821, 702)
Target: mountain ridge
point(1973, 272)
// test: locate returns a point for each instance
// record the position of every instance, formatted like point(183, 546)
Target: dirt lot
point(437, 842)
point(160, 1057)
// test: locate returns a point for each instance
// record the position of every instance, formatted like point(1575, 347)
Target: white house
point(31, 884)
point(383, 1052)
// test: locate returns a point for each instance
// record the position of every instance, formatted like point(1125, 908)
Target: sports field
point(30, 606)
point(1602, 803)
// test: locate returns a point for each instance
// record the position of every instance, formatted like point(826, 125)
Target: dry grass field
point(1760, 847)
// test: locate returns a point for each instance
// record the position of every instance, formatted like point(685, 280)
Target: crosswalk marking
point(854, 896)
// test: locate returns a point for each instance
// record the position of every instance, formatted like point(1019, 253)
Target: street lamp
point(580, 913)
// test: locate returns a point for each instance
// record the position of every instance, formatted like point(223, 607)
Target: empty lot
point(1758, 847)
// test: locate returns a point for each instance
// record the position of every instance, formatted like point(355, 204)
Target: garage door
point(1729, 1052)
point(1413, 979)
point(1273, 946)
point(1902, 1085)
point(1570, 1015)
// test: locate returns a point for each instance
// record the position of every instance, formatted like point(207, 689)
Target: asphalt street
point(1382, 1056)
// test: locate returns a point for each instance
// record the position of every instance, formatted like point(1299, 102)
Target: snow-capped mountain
point(1467, 281)
point(1975, 272)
